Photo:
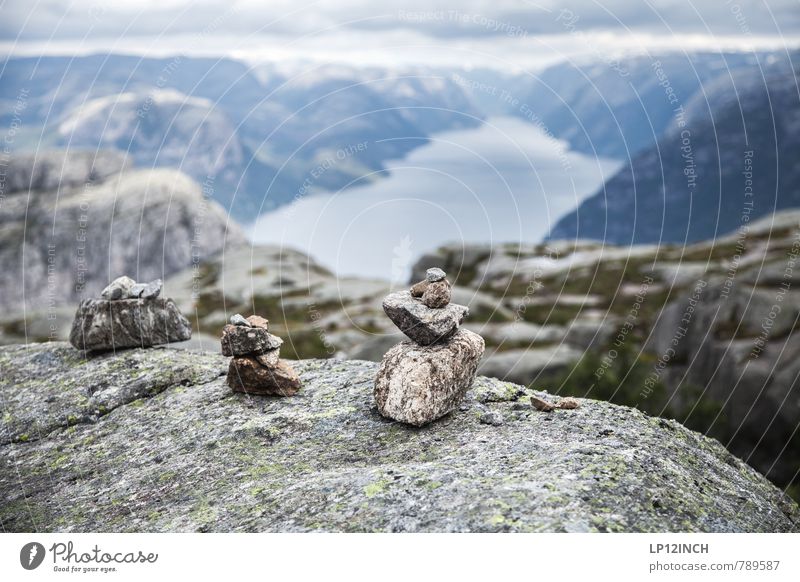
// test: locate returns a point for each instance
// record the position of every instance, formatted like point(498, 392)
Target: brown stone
point(258, 321)
point(418, 289)
point(247, 375)
point(540, 404)
point(437, 294)
point(568, 403)
point(269, 359)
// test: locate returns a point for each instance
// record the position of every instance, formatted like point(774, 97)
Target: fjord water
point(505, 181)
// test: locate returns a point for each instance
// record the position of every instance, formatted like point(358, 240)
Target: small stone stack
point(256, 367)
point(426, 378)
point(128, 315)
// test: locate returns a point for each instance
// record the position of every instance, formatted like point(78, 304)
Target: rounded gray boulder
point(418, 384)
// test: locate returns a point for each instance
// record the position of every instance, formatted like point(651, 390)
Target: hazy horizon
point(505, 35)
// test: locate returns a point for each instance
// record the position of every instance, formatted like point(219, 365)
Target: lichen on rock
point(177, 451)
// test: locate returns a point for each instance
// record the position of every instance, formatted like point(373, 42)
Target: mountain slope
point(65, 239)
point(723, 168)
point(616, 108)
point(161, 128)
point(261, 132)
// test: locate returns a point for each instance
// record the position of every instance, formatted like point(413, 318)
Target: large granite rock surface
point(154, 440)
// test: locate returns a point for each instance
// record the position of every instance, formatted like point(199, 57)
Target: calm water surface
point(504, 181)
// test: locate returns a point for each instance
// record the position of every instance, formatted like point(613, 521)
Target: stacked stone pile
point(427, 377)
point(128, 315)
point(256, 367)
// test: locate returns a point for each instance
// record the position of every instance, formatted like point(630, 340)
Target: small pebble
point(149, 290)
point(418, 289)
point(258, 321)
point(568, 403)
point(239, 320)
point(434, 274)
point(118, 288)
point(542, 405)
point(437, 295)
point(492, 418)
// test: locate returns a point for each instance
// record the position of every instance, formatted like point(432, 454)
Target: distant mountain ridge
point(617, 108)
point(255, 133)
point(258, 137)
point(730, 157)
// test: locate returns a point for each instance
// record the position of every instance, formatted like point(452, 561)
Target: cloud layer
point(55, 19)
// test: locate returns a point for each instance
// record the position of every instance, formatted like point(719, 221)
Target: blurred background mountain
point(253, 131)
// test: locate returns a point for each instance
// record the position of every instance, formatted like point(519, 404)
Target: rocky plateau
point(154, 440)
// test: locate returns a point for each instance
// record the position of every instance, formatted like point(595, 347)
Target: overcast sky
point(394, 30)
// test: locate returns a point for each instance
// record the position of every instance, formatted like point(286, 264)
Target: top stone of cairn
point(126, 288)
point(434, 274)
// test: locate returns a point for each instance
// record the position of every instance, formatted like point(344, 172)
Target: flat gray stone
point(420, 323)
point(238, 319)
point(418, 384)
point(149, 290)
point(119, 288)
point(238, 340)
point(434, 274)
point(127, 323)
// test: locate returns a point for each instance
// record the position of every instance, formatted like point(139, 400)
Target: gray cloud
point(439, 20)
point(716, 17)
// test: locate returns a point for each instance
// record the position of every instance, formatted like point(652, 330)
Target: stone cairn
point(256, 367)
point(426, 378)
point(128, 315)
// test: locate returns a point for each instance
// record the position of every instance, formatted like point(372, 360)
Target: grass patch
point(207, 274)
point(549, 314)
point(305, 344)
point(616, 376)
